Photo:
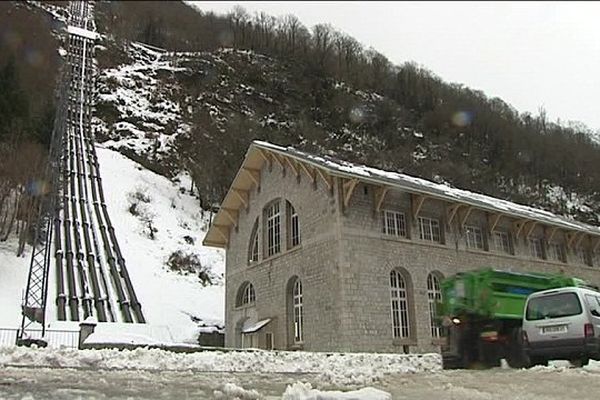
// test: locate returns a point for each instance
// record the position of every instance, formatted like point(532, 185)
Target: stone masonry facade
point(344, 261)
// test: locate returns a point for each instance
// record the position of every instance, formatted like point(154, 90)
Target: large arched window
point(253, 246)
point(272, 216)
point(434, 295)
point(399, 303)
point(298, 312)
point(293, 226)
point(246, 295)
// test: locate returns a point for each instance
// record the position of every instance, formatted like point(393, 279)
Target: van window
point(553, 306)
point(594, 304)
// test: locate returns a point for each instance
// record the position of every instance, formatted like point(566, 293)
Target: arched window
point(272, 215)
point(434, 295)
point(246, 295)
point(293, 226)
point(253, 247)
point(399, 298)
point(298, 312)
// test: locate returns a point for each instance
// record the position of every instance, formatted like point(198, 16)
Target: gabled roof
point(326, 167)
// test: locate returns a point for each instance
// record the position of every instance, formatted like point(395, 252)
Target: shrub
point(189, 263)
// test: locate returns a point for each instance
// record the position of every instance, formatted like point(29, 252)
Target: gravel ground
point(67, 383)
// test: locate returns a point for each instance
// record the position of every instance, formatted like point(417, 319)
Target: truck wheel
point(489, 354)
point(516, 357)
point(538, 361)
point(580, 362)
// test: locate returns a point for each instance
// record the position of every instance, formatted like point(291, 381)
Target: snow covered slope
point(167, 219)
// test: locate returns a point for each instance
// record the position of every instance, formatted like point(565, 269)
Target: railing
point(54, 337)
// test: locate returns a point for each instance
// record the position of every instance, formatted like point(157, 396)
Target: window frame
point(556, 252)
point(398, 219)
point(432, 230)
point(434, 295)
point(254, 247)
point(478, 232)
point(272, 221)
point(246, 296)
point(535, 243)
point(298, 311)
point(293, 226)
point(399, 305)
point(496, 233)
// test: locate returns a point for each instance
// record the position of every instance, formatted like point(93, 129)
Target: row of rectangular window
point(394, 224)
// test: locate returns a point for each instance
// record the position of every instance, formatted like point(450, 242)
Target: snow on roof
point(425, 187)
point(249, 327)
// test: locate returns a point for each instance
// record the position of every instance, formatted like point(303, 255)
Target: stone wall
point(368, 257)
point(314, 262)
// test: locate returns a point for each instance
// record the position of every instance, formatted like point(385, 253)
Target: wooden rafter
point(380, 193)
point(293, 166)
point(242, 195)
point(232, 215)
point(529, 229)
point(571, 237)
point(550, 232)
point(265, 155)
point(493, 220)
point(254, 174)
point(348, 188)
point(451, 212)
point(416, 201)
point(310, 172)
point(280, 160)
point(596, 245)
point(580, 239)
point(518, 227)
point(222, 230)
point(326, 178)
point(465, 216)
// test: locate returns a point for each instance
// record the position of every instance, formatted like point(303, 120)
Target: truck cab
point(562, 323)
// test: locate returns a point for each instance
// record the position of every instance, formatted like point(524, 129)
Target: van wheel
point(580, 362)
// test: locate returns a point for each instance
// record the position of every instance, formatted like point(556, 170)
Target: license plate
point(554, 329)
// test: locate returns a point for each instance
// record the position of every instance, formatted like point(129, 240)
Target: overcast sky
point(530, 54)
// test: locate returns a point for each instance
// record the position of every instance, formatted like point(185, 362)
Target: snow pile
point(304, 391)
point(232, 391)
point(336, 369)
point(13, 273)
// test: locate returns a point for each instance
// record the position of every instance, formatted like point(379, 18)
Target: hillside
point(199, 111)
point(261, 77)
point(165, 220)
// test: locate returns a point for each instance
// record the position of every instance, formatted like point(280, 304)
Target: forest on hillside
point(330, 95)
point(29, 64)
point(471, 140)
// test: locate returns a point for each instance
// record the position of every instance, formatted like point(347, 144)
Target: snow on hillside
point(138, 98)
point(13, 273)
point(166, 212)
point(168, 298)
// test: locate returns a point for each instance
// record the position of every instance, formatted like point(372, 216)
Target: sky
point(530, 54)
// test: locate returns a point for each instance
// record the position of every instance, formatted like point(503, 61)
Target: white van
point(562, 324)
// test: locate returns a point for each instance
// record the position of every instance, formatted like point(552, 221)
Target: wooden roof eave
point(427, 193)
point(221, 219)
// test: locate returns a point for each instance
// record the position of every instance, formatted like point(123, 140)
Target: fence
point(54, 337)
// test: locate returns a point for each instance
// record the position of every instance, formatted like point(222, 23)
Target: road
point(65, 383)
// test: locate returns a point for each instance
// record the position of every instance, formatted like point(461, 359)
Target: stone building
point(325, 255)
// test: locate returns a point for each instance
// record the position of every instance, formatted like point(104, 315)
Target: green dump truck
point(481, 313)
